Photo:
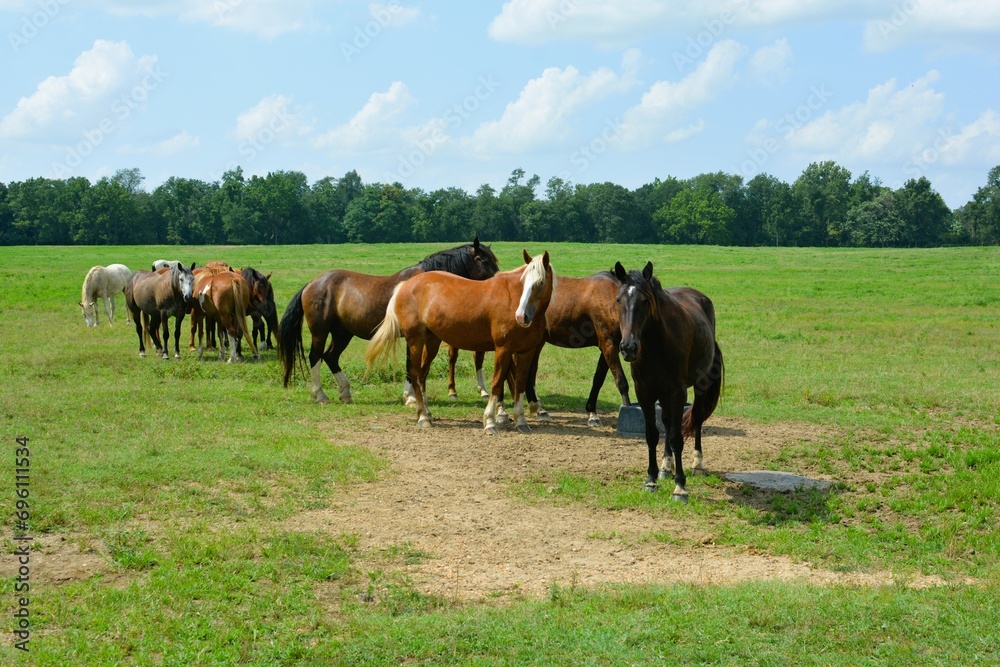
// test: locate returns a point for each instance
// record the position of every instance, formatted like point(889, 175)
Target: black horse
point(344, 304)
point(668, 337)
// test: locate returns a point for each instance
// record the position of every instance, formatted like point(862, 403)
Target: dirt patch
point(447, 496)
point(57, 559)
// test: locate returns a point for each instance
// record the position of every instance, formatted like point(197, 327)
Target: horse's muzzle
point(629, 350)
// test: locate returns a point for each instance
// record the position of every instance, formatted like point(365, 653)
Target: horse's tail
point(705, 402)
point(241, 314)
point(290, 348)
point(383, 343)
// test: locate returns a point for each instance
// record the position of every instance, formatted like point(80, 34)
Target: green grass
point(180, 476)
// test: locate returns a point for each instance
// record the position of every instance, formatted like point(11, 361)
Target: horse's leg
point(480, 380)
point(431, 346)
point(177, 334)
point(534, 403)
point(652, 441)
point(522, 369)
point(415, 346)
point(600, 374)
point(409, 400)
point(341, 337)
point(109, 308)
point(452, 360)
point(672, 407)
point(137, 320)
point(316, 357)
point(502, 360)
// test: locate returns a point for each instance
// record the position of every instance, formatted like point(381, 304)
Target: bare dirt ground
point(448, 496)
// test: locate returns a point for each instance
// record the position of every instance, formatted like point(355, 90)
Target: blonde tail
point(383, 343)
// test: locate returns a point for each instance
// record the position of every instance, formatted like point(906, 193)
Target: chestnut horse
point(505, 314)
point(346, 304)
point(153, 298)
point(203, 326)
point(668, 336)
point(263, 311)
point(224, 297)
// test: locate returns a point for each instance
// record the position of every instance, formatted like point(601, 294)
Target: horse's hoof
point(503, 419)
point(490, 430)
point(410, 401)
point(424, 423)
point(544, 416)
point(594, 422)
point(322, 399)
point(177, 356)
point(142, 355)
point(523, 428)
point(453, 396)
point(345, 399)
point(650, 487)
point(699, 470)
point(680, 497)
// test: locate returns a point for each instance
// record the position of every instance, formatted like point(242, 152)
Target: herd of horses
point(461, 298)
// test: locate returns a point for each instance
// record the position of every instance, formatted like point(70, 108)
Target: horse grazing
point(583, 314)
point(668, 336)
point(225, 298)
point(262, 307)
point(505, 314)
point(103, 282)
point(153, 298)
point(345, 304)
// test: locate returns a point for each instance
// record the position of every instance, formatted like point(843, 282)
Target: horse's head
point(538, 280)
point(183, 278)
point(484, 262)
point(636, 302)
point(89, 312)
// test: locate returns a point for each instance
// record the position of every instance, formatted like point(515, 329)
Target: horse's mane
point(457, 260)
point(87, 281)
point(651, 289)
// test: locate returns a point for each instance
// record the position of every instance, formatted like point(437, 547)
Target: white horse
point(165, 264)
point(104, 282)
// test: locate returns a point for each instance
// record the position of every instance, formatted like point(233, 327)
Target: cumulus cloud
point(771, 65)
point(665, 104)
point(537, 118)
point(272, 117)
point(96, 76)
point(264, 18)
point(373, 123)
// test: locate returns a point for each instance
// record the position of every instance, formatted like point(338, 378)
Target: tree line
point(825, 206)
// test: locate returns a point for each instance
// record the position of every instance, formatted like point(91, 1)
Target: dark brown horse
point(345, 304)
point(153, 298)
point(505, 314)
point(263, 310)
point(668, 336)
point(224, 298)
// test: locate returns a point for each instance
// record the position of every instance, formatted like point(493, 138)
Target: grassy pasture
point(178, 476)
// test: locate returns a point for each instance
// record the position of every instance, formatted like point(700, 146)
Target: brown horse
point(345, 304)
point(505, 314)
point(201, 326)
point(263, 310)
point(583, 314)
point(154, 297)
point(225, 298)
point(669, 338)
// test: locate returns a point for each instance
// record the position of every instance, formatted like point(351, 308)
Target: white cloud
point(393, 15)
point(683, 133)
point(666, 102)
point(373, 124)
point(178, 143)
point(97, 74)
point(264, 18)
point(771, 65)
point(539, 115)
point(954, 23)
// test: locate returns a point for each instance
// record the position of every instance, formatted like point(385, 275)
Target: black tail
point(290, 348)
point(705, 400)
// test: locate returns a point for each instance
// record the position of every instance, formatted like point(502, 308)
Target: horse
point(346, 304)
point(104, 282)
point(225, 297)
point(203, 326)
point(154, 297)
point(505, 313)
point(262, 307)
point(164, 264)
point(583, 314)
point(668, 337)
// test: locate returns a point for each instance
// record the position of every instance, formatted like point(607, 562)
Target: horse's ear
point(268, 277)
point(193, 264)
point(527, 257)
point(545, 259)
point(475, 244)
point(80, 304)
point(620, 272)
point(647, 271)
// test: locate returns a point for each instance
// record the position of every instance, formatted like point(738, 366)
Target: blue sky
point(436, 94)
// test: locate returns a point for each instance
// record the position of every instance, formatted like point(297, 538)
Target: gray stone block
point(632, 424)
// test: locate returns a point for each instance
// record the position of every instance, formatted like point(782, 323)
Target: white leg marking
point(317, 387)
point(481, 383)
point(408, 398)
point(593, 420)
point(520, 421)
point(343, 387)
point(489, 415)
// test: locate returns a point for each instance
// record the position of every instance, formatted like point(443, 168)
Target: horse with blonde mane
point(103, 282)
point(505, 314)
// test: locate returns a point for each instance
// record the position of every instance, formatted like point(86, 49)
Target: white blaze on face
point(533, 276)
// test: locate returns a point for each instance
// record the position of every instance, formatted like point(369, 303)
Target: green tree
point(926, 218)
point(767, 210)
point(695, 216)
point(613, 214)
point(822, 195)
point(874, 223)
